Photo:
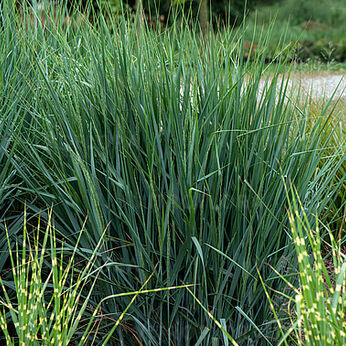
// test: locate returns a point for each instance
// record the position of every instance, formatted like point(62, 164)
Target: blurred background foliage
point(221, 11)
point(316, 27)
point(328, 12)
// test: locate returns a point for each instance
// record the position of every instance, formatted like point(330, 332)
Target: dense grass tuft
point(167, 142)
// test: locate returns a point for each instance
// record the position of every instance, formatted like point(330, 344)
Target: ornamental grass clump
point(321, 298)
point(170, 143)
point(317, 307)
point(51, 291)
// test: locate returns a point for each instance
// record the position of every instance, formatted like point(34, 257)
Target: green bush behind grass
point(318, 26)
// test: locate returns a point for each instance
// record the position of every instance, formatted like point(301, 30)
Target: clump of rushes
point(48, 306)
point(318, 308)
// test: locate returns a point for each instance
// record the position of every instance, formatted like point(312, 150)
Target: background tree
point(204, 16)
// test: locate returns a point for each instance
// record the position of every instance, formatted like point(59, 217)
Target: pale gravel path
point(317, 86)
